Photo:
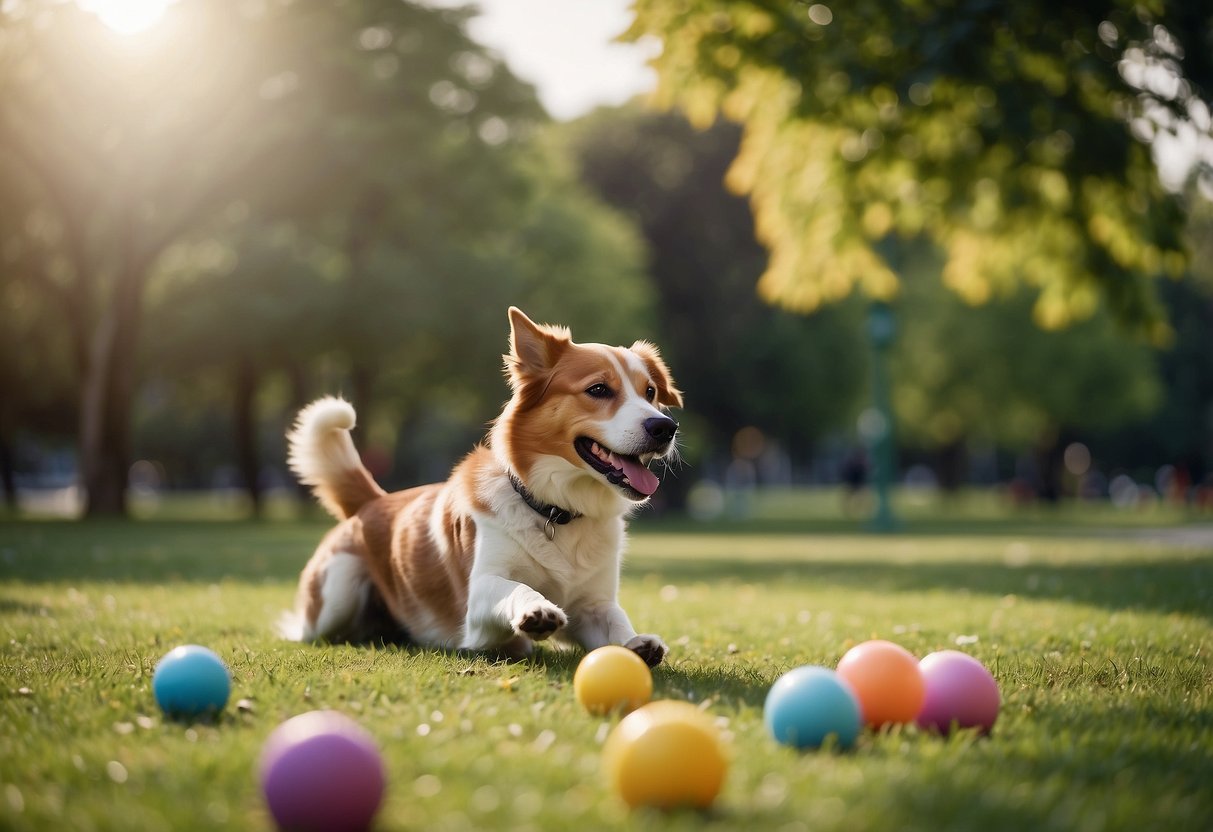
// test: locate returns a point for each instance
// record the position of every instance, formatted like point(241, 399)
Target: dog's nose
point(661, 428)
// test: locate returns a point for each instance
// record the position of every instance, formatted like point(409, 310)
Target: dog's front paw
point(540, 620)
point(648, 647)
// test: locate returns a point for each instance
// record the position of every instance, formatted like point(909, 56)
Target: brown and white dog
point(524, 541)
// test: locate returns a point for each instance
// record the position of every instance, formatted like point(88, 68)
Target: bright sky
point(564, 48)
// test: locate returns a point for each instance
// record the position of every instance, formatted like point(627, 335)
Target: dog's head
point(585, 420)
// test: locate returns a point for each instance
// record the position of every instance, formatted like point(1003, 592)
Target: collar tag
point(553, 515)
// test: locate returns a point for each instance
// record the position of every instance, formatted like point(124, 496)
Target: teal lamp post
point(876, 423)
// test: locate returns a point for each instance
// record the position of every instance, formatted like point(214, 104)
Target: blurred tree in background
point(249, 205)
point(148, 177)
point(989, 376)
point(746, 363)
point(114, 152)
point(1180, 431)
point(1013, 136)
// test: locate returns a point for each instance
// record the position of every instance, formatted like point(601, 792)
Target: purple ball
point(322, 771)
point(960, 692)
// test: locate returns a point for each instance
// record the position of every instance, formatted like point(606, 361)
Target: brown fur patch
point(667, 394)
point(419, 571)
point(564, 412)
point(351, 489)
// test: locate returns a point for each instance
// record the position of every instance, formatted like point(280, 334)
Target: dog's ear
point(534, 348)
point(667, 394)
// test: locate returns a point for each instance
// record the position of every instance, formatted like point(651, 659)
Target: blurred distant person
point(854, 475)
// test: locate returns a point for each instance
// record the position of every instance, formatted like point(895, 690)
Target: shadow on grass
point(207, 552)
point(155, 551)
point(1168, 586)
point(1162, 752)
point(730, 685)
point(1054, 523)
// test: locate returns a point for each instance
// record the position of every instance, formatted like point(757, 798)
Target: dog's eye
point(650, 393)
point(600, 391)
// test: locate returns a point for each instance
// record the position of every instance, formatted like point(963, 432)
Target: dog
point(524, 541)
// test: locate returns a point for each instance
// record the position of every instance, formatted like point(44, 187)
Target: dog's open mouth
point(630, 473)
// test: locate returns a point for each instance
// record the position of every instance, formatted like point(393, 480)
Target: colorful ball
point(612, 678)
point(666, 755)
point(190, 681)
point(321, 771)
point(960, 692)
point(886, 680)
point(807, 705)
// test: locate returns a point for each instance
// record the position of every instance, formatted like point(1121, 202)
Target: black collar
point(554, 515)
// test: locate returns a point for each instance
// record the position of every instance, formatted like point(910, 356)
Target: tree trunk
point(1049, 463)
point(300, 396)
point(365, 218)
point(950, 461)
point(244, 429)
point(362, 378)
point(107, 400)
point(8, 476)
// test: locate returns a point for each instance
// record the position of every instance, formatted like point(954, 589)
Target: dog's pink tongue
point(641, 478)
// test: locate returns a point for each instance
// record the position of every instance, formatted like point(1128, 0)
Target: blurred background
point(892, 254)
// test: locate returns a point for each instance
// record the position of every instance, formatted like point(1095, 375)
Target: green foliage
point(987, 373)
point(1008, 135)
point(248, 190)
point(742, 362)
point(1100, 645)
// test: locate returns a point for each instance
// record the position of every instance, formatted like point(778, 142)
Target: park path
point(1198, 536)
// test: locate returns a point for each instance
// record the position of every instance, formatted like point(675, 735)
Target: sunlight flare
point(127, 17)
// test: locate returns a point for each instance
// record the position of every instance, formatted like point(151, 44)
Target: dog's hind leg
point(335, 592)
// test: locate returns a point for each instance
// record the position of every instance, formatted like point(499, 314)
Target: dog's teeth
point(594, 449)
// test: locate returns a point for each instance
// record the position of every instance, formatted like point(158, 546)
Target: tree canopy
point(181, 172)
point(748, 364)
point(987, 375)
point(1015, 136)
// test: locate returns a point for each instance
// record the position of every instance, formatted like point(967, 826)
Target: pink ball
point(960, 691)
point(322, 771)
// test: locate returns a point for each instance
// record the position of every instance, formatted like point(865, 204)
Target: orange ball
point(887, 682)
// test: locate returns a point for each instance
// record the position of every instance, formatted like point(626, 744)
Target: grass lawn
point(1101, 641)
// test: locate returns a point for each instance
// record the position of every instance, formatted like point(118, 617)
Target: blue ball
point(190, 681)
point(808, 704)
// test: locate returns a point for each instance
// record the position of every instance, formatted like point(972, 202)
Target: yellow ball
point(612, 678)
point(666, 755)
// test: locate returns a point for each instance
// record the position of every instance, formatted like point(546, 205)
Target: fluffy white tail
point(323, 455)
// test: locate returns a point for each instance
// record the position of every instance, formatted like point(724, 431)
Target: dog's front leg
point(606, 623)
point(500, 609)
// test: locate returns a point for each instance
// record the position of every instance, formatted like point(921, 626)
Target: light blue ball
point(808, 704)
point(190, 681)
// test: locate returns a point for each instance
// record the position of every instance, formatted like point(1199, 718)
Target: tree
point(1013, 136)
point(742, 362)
point(116, 149)
point(248, 302)
point(418, 129)
point(285, 300)
point(551, 248)
point(36, 371)
point(1180, 431)
point(988, 375)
